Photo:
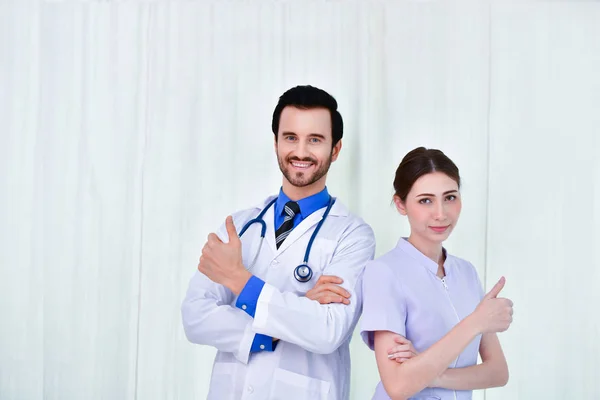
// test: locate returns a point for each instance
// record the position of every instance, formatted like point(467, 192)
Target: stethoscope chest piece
point(303, 273)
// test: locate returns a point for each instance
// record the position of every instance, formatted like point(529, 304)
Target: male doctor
point(278, 335)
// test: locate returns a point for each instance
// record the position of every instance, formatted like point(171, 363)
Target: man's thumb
point(496, 289)
point(231, 232)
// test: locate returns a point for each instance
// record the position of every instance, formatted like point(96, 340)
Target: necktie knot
point(291, 208)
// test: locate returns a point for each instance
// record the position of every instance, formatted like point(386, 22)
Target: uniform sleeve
point(209, 318)
point(384, 308)
point(476, 278)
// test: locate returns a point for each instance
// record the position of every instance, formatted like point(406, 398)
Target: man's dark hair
point(308, 97)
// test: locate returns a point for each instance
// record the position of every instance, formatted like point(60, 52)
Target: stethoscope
point(303, 272)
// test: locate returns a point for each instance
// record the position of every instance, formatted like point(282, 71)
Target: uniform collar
point(432, 266)
point(308, 205)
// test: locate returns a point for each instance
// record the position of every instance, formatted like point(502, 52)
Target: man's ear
point(335, 152)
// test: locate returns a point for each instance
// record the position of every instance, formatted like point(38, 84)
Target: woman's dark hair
point(419, 162)
point(308, 97)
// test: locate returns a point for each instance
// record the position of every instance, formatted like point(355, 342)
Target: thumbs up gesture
point(222, 262)
point(494, 314)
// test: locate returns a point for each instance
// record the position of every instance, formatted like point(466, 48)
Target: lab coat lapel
point(300, 230)
point(269, 219)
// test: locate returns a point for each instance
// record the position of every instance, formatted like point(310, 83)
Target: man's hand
point(222, 262)
point(403, 351)
point(327, 291)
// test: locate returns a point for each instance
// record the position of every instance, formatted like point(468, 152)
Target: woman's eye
point(425, 201)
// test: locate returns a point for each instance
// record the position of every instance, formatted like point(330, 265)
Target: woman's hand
point(403, 351)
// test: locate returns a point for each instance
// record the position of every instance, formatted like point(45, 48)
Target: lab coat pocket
point(322, 253)
point(289, 385)
point(222, 385)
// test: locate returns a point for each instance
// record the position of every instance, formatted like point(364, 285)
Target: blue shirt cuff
point(249, 296)
point(262, 343)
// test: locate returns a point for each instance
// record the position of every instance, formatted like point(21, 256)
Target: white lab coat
point(312, 359)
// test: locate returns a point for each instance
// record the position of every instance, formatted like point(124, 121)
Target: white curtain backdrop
point(129, 130)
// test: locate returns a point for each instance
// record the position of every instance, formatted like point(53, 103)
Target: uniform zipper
point(457, 317)
point(444, 283)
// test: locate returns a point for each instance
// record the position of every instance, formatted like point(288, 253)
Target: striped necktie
point(291, 209)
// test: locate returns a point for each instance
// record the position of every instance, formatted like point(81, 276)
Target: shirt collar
point(308, 205)
point(432, 266)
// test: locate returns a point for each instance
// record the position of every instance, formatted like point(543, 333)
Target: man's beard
point(299, 179)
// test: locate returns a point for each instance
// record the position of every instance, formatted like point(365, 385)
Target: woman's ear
point(400, 206)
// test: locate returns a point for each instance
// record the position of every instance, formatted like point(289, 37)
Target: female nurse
point(424, 311)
